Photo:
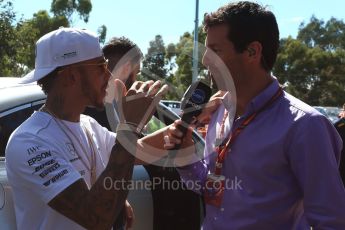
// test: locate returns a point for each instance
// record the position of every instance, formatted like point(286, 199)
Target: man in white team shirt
point(57, 159)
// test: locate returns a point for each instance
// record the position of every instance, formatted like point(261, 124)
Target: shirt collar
point(257, 102)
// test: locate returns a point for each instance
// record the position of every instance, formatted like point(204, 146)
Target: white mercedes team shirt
point(42, 161)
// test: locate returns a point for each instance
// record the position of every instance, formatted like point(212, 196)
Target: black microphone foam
point(192, 103)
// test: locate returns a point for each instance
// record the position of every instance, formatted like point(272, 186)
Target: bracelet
point(128, 127)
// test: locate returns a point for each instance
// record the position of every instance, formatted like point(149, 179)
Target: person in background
point(276, 165)
point(124, 63)
point(340, 127)
point(59, 160)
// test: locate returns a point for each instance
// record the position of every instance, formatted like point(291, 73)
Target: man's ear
point(70, 76)
point(254, 51)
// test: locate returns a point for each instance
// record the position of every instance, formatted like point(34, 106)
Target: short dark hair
point(47, 82)
point(248, 22)
point(117, 47)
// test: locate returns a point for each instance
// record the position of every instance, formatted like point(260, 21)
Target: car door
point(9, 121)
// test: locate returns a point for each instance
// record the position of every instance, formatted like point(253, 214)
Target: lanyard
point(224, 147)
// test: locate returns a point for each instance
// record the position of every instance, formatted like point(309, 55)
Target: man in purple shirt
point(279, 167)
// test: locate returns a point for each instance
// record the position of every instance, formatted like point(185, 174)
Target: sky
point(142, 20)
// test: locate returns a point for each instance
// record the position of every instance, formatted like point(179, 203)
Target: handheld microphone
point(192, 104)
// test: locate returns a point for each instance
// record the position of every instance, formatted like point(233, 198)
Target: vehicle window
point(153, 125)
point(10, 122)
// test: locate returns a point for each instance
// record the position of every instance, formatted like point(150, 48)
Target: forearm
point(151, 147)
point(99, 207)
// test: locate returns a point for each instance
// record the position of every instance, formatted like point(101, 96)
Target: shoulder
point(94, 126)
point(300, 109)
point(90, 122)
point(36, 123)
point(29, 139)
point(300, 116)
point(305, 122)
point(30, 130)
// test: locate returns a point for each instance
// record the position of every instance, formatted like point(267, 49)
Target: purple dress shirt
point(282, 172)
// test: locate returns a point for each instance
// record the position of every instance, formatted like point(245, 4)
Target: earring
point(251, 51)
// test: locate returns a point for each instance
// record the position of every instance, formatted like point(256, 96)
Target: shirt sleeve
point(194, 175)
point(35, 164)
point(314, 153)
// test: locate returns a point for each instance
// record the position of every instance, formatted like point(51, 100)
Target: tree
point(102, 32)
point(327, 36)
point(31, 30)
point(312, 66)
point(155, 62)
point(7, 38)
point(18, 38)
point(68, 7)
point(184, 58)
point(173, 63)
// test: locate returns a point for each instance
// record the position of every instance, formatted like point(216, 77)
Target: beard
point(129, 82)
point(94, 97)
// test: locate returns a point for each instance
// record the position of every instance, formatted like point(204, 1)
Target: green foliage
point(312, 66)
point(84, 8)
point(328, 36)
point(18, 37)
point(102, 32)
point(155, 61)
point(67, 8)
point(7, 39)
point(184, 59)
point(31, 30)
point(159, 63)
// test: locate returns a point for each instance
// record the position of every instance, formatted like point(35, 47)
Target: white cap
point(61, 47)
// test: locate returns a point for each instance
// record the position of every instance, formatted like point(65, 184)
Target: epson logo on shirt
point(39, 157)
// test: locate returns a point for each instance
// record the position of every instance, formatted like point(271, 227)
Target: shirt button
point(222, 209)
point(215, 218)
